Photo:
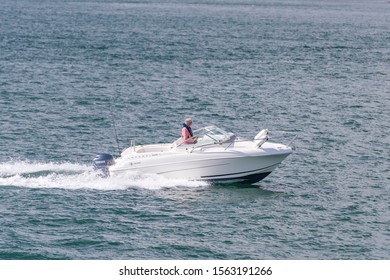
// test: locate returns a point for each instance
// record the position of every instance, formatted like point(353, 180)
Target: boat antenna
point(116, 134)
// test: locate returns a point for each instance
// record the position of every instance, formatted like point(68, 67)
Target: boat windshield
point(211, 135)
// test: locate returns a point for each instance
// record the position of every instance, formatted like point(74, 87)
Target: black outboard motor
point(101, 162)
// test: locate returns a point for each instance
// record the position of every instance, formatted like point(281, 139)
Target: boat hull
point(248, 166)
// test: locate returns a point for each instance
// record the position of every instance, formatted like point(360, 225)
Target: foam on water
point(78, 176)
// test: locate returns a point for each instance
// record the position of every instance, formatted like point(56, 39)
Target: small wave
point(79, 176)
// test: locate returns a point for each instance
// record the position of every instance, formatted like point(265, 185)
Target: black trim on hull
point(210, 177)
point(249, 179)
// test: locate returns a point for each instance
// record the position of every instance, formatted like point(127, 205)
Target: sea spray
point(80, 176)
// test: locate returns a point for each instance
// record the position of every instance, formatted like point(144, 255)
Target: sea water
point(76, 74)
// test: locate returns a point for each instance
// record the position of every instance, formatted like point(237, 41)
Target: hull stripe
point(238, 173)
point(249, 179)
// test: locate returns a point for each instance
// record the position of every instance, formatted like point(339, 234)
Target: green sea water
point(70, 70)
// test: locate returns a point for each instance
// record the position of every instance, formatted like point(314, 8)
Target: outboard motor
point(101, 162)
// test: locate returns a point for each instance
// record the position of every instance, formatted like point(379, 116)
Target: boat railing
point(132, 144)
point(279, 134)
point(273, 134)
point(219, 143)
point(205, 145)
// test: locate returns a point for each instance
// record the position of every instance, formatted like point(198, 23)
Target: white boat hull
point(220, 164)
point(214, 155)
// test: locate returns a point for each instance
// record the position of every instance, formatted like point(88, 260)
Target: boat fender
point(261, 137)
point(102, 162)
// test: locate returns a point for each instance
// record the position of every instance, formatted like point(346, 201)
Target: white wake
point(78, 176)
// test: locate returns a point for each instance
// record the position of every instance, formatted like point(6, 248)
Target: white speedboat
point(216, 156)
